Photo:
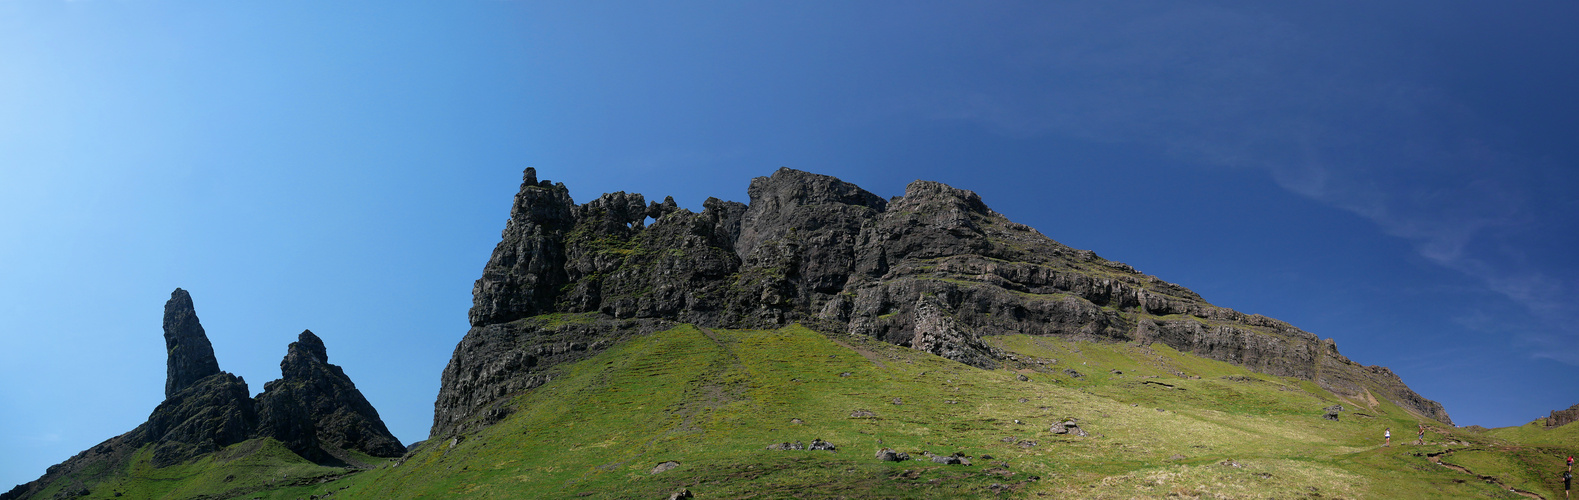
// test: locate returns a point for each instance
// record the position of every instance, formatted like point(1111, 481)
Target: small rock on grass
point(665, 466)
point(888, 455)
point(682, 494)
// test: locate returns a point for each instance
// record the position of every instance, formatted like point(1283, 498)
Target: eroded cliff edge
point(935, 270)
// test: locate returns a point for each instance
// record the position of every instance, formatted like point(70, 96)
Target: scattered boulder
point(862, 414)
point(1021, 377)
point(797, 421)
point(1023, 400)
point(665, 467)
point(1071, 372)
point(845, 374)
point(1332, 412)
point(787, 446)
point(819, 444)
point(1070, 426)
point(898, 401)
point(681, 495)
point(946, 460)
point(1025, 443)
point(888, 455)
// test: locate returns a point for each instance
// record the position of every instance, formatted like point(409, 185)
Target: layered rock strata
point(314, 408)
point(935, 269)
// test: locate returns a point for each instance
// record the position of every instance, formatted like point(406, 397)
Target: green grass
point(1163, 424)
point(257, 468)
point(713, 399)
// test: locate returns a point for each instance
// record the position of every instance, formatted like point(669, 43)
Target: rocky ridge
point(934, 269)
point(1563, 417)
point(314, 408)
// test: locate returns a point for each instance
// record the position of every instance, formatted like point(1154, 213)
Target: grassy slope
point(713, 399)
point(257, 468)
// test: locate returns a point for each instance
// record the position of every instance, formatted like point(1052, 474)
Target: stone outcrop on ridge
point(1563, 417)
point(314, 409)
point(189, 355)
point(935, 269)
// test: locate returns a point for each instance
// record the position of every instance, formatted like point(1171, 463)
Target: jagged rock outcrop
point(314, 406)
point(1563, 417)
point(935, 269)
point(190, 357)
point(314, 409)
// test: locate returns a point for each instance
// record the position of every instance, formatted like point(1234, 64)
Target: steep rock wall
point(935, 269)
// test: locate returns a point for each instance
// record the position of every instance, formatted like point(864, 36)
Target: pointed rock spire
point(314, 406)
point(190, 355)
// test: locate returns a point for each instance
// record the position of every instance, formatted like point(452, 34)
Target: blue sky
point(1399, 177)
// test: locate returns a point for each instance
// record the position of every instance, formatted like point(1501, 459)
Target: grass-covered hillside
point(1161, 424)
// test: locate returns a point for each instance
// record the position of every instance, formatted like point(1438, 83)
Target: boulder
point(888, 455)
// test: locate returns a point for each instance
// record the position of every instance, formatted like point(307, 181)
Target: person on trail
point(1388, 435)
point(1420, 439)
point(1568, 480)
point(1570, 462)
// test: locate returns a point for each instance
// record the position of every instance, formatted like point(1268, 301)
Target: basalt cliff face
point(314, 409)
point(935, 270)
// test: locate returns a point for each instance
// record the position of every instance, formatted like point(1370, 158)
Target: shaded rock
point(954, 459)
point(1068, 427)
point(1022, 378)
point(862, 414)
point(888, 455)
point(935, 270)
point(787, 446)
point(1563, 417)
point(316, 405)
point(528, 265)
point(664, 466)
point(189, 355)
point(819, 444)
point(1071, 372)
point(1332, 412)
point(681, 495)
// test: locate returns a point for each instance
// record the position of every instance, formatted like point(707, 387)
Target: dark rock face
point(315, 404)
point(1563, 417)
point(935, 270)
point(190, 357)
point(315, 409)
point(528, 265)
point(216, 412)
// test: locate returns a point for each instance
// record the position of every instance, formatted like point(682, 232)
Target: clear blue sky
point(1399, 176)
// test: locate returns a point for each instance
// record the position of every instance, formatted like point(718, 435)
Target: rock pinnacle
point(191, 356)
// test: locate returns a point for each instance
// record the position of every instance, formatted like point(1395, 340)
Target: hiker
point(1420, 440)
point(1568, 479)
point(1388, 435)
point(1570, 462)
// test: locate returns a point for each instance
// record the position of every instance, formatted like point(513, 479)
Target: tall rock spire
point(191, 356)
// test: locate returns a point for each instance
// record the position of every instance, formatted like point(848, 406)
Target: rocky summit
point(314, 409)
point(935, 270)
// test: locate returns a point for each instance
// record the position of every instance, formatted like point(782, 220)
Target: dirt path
point(1436, 458)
